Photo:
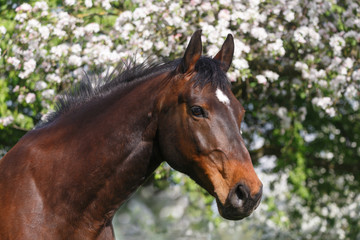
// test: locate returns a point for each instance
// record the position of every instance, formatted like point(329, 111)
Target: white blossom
point(92, 28)
point(75, 60)
point(66, 20)
point(140, 12)
point(29, 67)
point(88, 3)
point(300, 34)
point(306, 34)
point(314, 37)
point(300, 66)
point(14, 61)
point(352, 34)
point(21, 17)
point(331, 111)
point(16, 88)
point(259, 33)
point(52, 77)
point(30, 98)
point(232, 76)
point(311, 225)
point(276, 47)
point(356, 75)
point(245, 27)
point(59, 32)
point(351, 92)
point(123, 18)
point(33, 23)
point(106, 4)
point(70, 2)
point(21, 98)
point(323, 102)
point(225, 2)
point(337, 43)
point(59, 51)
point(76, 49)
point(323, 83)
point(48, 94)
point(41, 5)
point(79, 32)
point(272, 76)
point(44, 32)
point(40, 85)
point(348, 63)
point(147, 45)
point(5, 121)
point(224, 14)
point(25, 7)
point(2, 30)
point(240, 47)
point(261, 79)
point(159, 45)
point(289, 15)
point(240, 63)
point(337, 82)
point(100, 54)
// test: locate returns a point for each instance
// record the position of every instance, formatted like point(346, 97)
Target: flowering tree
point(296, 69)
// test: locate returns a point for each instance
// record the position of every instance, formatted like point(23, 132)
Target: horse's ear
point(226, 53)
point(192, 54)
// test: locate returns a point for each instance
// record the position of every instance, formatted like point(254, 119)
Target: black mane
point(208, 72)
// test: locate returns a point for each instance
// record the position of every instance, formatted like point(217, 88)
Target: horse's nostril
point(239, 196)
point(241, 192)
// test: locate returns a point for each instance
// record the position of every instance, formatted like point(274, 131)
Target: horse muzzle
point(239, 203)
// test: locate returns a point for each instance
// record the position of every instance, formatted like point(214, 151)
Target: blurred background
point(295, 70)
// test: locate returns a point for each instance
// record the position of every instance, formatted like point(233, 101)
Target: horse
point(66, 178)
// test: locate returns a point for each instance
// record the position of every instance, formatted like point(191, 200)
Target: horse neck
point(102, 152)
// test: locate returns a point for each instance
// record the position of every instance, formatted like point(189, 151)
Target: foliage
point(295, 69)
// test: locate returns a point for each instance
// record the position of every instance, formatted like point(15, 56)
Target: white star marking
point(222, 97)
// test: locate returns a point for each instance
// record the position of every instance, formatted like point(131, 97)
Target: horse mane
point(129, 73)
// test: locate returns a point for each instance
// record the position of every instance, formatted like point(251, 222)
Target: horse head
point(199, 132)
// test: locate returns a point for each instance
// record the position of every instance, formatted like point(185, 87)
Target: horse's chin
point(232, 213)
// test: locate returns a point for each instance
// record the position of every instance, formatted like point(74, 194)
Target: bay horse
point(66, 178)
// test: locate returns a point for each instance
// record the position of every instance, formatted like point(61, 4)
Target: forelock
point(209, 72)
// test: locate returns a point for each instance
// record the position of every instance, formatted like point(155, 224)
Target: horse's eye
point(197, 111)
